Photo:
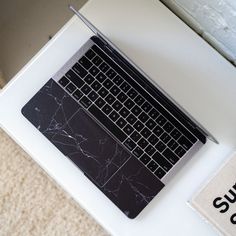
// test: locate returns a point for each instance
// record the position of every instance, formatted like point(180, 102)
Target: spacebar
point(119, 134)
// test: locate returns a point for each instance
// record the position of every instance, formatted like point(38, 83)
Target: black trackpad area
point(64, 122)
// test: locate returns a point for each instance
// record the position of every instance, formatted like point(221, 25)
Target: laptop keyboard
point(146, 130)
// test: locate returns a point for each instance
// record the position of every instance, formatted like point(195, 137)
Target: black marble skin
point(65, 123)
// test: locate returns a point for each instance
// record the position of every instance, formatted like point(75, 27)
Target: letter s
point(223, 204)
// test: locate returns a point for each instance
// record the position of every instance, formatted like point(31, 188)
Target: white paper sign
point(217, 200)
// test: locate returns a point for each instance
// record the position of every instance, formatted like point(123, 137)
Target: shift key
point(162, 161)
point(183, 141)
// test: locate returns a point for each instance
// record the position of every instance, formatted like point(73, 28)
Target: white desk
point(184, 65)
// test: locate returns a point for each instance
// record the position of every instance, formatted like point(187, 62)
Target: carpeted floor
point(32, 204)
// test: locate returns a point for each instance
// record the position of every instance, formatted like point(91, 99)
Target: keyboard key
point(70, 88)
point(75, 78)
point(138, 126)
point(117, 105)
point(118, 80)
point(129, 144)
point(121, 122)
point(96, 85)
point(172, 144)
point(168, 127)
point(183, 141)
point(143, 117)
point(108, 84)
point(162, 161)
point(161, 120)
point(142, 143)
point(124, 112)
point(132, 93)
point(146, 107)
point(85, 62)
point(160, 146)
point(107, 109)
point(100, 102)
point(160, 173)
point(79, 70)
point(85, 102)
point(146, 132)
point(131, 119)
point(110, 98)
point(165, 137)
point(136, 110)
point(170, 156)
point(111, 73)
point(63, 81)
point(114, 116)
point(129, 103)
point(86, 89)
point(94, 71)
point(125, 87)
point(145, 159)
point(89, 79)
point(175, 134)
point(115, 90)
point(128, 129)
point(152, 166)
point(153, 139)
point(77, 94)
point(180, 151)
point(150, 150)
point(138, 152)
point(100, 77)
point(135, 136)
point(93, 96)
point(158, 131)
point(151, 124)
point(153, 113)
point(122, 97)
point(118, 133)
point(103, 92)
point(104, 67)
point(139, 100)
point(97, 60)
point(90, 54)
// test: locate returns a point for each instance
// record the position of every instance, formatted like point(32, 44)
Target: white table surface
point(193, 73)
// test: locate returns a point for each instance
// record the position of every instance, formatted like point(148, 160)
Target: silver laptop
point(115, 124)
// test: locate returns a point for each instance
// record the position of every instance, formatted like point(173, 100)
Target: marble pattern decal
point(65, 123)
point(132, 188)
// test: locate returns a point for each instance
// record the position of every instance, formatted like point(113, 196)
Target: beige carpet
point(32, 204)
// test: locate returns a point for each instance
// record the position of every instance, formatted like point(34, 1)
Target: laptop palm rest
point(109, 165)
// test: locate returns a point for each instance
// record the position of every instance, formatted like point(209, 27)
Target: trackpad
point(90, 147)
point(64, 122)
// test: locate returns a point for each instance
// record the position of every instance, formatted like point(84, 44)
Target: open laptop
point(104, 114)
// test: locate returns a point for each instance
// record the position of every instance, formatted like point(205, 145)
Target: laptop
point(115, 124)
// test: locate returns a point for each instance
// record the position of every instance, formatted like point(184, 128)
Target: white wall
point(215, 20)
point(25, 26)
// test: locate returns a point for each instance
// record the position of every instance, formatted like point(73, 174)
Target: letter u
point(231, 199)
